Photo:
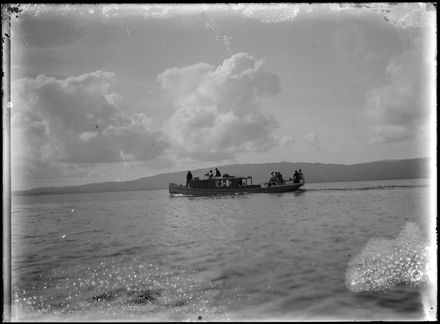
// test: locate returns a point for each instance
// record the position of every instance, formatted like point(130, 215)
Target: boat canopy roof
point(221, 178)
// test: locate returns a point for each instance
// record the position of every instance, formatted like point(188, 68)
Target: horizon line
point(218, 166)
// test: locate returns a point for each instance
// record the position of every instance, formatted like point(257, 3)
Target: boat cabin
point(217, 182)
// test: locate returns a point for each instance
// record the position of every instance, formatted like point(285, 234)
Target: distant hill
point(314, 172)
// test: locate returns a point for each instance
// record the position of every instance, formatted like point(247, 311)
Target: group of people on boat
point(298, 176)
point(276, 178)
point(210, 174)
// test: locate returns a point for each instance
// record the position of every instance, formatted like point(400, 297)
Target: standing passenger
point(210, 174)
point(189, 177)
point(217, 173)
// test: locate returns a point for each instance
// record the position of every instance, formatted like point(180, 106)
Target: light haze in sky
point(119, 92)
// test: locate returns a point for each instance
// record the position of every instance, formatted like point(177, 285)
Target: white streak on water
point(384, 264)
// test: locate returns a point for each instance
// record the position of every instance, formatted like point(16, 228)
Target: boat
point(232, 185)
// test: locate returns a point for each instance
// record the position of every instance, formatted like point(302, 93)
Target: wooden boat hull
point(181, 189)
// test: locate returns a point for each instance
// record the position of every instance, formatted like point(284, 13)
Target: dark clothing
point(280, 179)
point(189, 177)
point(217, 173)
point(295, 177)
point(300, 176)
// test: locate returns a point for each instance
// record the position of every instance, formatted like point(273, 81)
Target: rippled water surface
point(144, 255)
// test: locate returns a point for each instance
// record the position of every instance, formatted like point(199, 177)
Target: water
point(146, 256)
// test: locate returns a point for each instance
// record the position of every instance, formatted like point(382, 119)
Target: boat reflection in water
point(233, 185)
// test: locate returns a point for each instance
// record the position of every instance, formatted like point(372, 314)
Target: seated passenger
point(217, 173)
point(280, 178)
point(272, 178)
point(300, 176)
point(210, 174)
point(277, 177)
point(296, 176)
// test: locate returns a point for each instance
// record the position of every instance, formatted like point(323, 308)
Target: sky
point(118, 92)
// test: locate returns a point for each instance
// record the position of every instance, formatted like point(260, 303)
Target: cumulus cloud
point(269, 13)
point(286, 141)
point(76, 120)
point(398, 110)
point(406, 15)
point(217, 108)
point(313, 140)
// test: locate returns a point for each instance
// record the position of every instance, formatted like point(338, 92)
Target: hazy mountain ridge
point(314, 172)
